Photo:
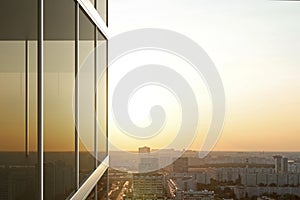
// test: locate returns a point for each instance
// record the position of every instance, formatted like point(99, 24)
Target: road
point(120, 196)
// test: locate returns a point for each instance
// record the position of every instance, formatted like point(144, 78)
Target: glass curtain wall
point(86, 96)
point(19, 50)
point(18, 133)
point(101, 7)
point(101, 95)
point(59, 70)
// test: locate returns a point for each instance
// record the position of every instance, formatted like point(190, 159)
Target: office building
point(51, 53)
point(147, 162)
point(181, 165)
point(144, 149)
point(148, 186)
point(285, 165)
point(281, 164)
point(278, 160)
point(196, 195)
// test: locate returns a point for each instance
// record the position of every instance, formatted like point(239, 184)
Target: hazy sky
point(255, 46)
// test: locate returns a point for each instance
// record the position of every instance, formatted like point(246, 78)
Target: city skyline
point(156, 100)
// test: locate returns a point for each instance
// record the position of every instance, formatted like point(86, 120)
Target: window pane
point(59, 64)
point(16, 170)
point(18, 23)
point(102, 9)
point(102, 94)
point(86, 96)
point(100, 5)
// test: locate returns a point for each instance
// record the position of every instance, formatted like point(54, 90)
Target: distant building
point(181, 165)
point(242, 192)
point(176, 192)
point(284, 165)
point(197, 195)
point(148, 186)
point(293, 167)
point(148, 164)
point(278, 160)
point(144, 149)
point(185, 181)
point(281, 164)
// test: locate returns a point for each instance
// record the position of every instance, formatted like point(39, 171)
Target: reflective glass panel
point(102, 95)
point(86, 95)
point(59, 65)
point(18, 144)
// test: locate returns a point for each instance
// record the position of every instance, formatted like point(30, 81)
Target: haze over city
point(254, 45)
point(149, 100)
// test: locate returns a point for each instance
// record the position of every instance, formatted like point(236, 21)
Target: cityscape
point(149, 100)
point(220, 175)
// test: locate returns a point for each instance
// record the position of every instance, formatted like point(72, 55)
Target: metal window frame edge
point(91, 11)
point(90, 183)
point(40, 99)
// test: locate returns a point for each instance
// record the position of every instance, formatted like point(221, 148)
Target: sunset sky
point(255, 46)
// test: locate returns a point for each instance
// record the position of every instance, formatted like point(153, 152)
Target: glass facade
point(59, 61)
point(86, 95)
point(53, 128)
point(101, 96)
point(18, 133)
point(101, 6)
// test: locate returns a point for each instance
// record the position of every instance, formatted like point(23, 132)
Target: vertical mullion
point(40, 98)
point(106, 11)
point(26, 99)
point(77, 95)
point(106, 103)
point(106, 99)
point(106, 115)
point(95, 102)
point(95, 92)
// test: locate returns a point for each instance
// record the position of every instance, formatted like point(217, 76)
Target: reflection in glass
point(59, 62)
point(102, 95)
point(101, 7)
point(18, 99)
point(17, 171)
point(86, 96)
point(18, 55)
